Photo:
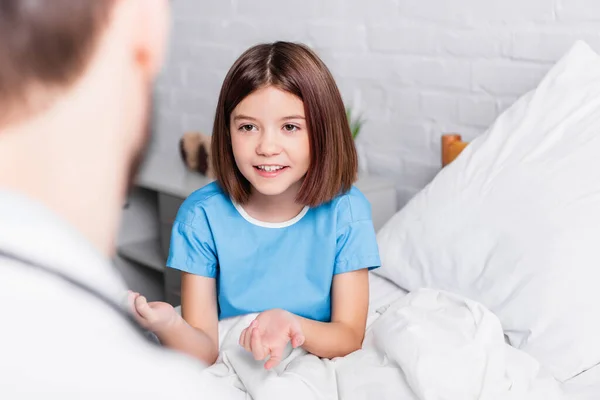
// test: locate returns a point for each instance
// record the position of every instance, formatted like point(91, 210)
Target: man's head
point(75, 95)
point(45, 47)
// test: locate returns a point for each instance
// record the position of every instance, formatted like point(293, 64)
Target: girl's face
point(270, 141)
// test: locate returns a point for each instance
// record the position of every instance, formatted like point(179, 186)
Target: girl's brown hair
point(296, 69)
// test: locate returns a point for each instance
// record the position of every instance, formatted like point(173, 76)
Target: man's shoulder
point(64, 340)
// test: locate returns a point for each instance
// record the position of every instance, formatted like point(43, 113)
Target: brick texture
point(413, 68)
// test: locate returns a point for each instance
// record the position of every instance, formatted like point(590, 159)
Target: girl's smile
point(270, 141)
point(270, 171)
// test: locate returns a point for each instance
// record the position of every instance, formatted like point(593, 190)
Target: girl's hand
point(269, 333)
point(155, 316)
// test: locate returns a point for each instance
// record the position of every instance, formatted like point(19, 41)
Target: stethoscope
point(84, 288)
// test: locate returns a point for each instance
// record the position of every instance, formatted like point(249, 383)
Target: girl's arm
point(196, 334)
point(346, 331)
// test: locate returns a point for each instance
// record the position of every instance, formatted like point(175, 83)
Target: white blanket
point(428, 345)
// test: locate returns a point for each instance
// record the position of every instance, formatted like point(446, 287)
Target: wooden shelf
point(147, 252)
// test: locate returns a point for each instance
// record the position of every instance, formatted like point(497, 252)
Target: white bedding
point(513, 223)
point(585, 386)
point(382, 292)
point(424, 345)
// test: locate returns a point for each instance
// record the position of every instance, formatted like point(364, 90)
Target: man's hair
point(45, 45)
point(296, 69)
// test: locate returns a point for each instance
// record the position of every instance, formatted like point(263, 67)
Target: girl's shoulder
point(205, 193)
point(351, 206)
point(203, 201)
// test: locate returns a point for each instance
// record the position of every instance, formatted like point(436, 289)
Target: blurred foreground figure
point(75, 88)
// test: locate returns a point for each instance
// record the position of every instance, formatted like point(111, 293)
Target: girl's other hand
point(269, 333)
point(155, 316)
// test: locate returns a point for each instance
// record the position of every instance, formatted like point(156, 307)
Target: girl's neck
point(279, 208)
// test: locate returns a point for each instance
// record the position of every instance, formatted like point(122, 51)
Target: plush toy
point(195, 152)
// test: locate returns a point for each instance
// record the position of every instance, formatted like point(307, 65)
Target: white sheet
point(585, 386)
point(382, 292)
point(425, 345)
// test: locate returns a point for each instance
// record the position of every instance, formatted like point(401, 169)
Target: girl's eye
point(247, 128)
point(290, 128)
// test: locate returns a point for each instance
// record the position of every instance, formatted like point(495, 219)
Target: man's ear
point(149, 22)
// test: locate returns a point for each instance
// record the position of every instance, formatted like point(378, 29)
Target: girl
point(282, 232)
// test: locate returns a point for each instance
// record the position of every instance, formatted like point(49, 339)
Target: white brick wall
point(415, 68)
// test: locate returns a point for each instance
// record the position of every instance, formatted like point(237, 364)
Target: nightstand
point(164, 183)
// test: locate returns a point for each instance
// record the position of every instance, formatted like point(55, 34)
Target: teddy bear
point(195, 151)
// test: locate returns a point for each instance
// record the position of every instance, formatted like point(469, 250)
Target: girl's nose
point(268, 145)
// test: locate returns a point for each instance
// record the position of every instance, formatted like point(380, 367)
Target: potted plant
point(356, 123)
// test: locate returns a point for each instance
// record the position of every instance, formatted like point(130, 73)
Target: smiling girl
point(282, 232)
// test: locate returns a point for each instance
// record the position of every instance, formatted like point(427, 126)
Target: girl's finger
point(275, 358)
point(131, 302)
point(257, 347)
point(297, 340)
point(247, 339)
point(142, 307)
point(243, 337)
point(130, 298)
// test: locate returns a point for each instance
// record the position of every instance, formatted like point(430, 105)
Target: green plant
point(356, 123)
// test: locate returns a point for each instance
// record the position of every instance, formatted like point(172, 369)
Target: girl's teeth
point(269, 168)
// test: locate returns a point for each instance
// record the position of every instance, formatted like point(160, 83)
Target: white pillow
point(514, 221)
